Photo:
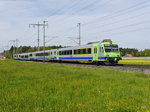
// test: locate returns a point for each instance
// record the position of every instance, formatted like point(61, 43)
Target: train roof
point(106, 41)
point(76, 47)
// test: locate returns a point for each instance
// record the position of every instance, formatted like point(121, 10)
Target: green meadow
point(39, 87)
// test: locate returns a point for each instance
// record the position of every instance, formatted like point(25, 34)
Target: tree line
point(135, 52)
point(25, 49)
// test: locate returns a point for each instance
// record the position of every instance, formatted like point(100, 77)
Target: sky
point(126, 22)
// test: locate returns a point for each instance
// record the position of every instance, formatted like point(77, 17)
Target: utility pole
point(5, 50)
point(45, 23)
point(79, 25)
point(38, 25)
point(14, 43)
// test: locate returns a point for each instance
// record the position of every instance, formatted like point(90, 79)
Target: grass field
point(38, 87)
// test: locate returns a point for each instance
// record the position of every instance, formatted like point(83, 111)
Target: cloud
point(63, 16)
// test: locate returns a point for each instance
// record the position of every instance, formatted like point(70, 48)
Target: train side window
point(71, 52)
point(89, 51)
point(46, 54)
point(84, 51)
point(64, 52)
point(102, 49)
point(95, 50)
point(79, 51)
point(68, 52)
point(26, 56)
point(75, 52)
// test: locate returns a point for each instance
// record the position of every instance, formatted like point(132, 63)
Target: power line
point(129, 31)
point(126, 26)
point(121, 12)
point(119, 21)
point(64, 7)
point(125, 19)
point(76, 13)
point(82, 9)
point(124, 10)
point(95, 2)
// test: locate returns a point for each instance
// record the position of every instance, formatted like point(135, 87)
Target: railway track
point(128, 68)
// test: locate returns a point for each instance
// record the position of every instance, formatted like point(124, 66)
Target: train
point(105, 52)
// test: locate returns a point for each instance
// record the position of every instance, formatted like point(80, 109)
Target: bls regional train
point(105, 52)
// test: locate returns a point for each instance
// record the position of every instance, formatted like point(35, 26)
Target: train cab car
point(109, 52)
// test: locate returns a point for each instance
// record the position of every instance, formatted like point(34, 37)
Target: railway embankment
point(128, 68)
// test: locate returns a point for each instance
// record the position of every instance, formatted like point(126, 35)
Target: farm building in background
point(2, 57)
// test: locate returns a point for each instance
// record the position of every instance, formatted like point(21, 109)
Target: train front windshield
point(111, 48)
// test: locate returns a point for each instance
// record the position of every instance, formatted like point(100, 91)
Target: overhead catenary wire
point(127, 10)
point(124, 26)
point(121, 12)
point(95, 2)
point(78, 14)
point(119, 21)
point(125, 19)
point(129, 31)
point(64, 8)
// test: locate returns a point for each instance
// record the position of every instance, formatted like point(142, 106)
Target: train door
point(57, 54)
point(95, 49)
point(101, 51)
point(49, 54)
